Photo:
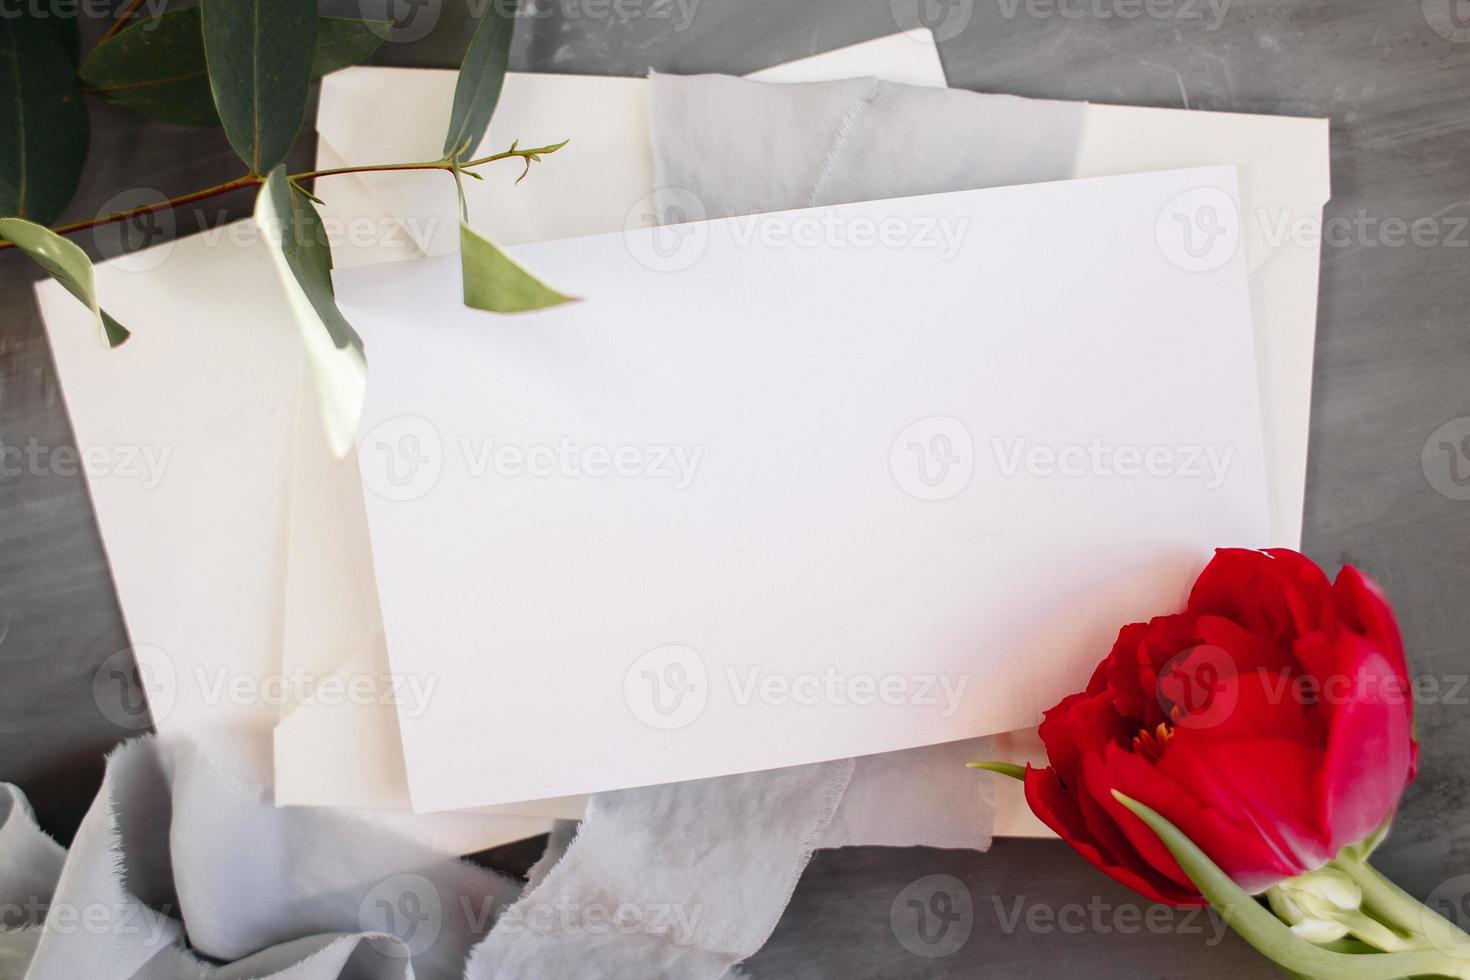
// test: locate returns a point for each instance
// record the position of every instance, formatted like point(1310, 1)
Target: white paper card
point(845, 481)
point(346, 751)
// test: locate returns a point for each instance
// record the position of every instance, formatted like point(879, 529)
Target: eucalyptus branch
point(529, 156)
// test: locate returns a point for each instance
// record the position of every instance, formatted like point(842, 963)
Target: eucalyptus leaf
point(342, 42)
point(64, 25)
point(481, 76)
point(303, 260)
point(491, 279)
point(1269, 935)
point(43, 124)
point(494, 281)
point(156, 67)
point(67, 264)
point(258, 54)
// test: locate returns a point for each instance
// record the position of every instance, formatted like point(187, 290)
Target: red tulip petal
point(1248, 650)
point(1365, 609)
point(1056, 808)
point(1103, 774)
point(1371, 753)
point(1080, 723)
point(1240, 851)
point(1258, 704)
point(1266, 789)
point(1129, 668)
point(1278, 594)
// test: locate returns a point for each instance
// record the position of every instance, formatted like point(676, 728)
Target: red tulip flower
point(1270, 722)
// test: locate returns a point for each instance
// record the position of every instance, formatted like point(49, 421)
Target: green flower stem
point(1258, 926)
point(1003, 768)
point(529, 156)
point(1376, 934)
point(1390, 904)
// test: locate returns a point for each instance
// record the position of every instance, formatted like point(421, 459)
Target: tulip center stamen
point(1150, 744)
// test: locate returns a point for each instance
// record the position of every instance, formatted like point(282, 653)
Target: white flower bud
point(1313, 904)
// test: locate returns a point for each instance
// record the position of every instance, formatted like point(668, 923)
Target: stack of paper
point(247, 571)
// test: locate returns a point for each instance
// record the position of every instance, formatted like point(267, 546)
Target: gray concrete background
point(1392, 378)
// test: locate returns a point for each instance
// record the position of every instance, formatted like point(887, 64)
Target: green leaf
point(493, 281)
point(67, 30)
point(67, 264)
point(1269, 935)
point(43, 124)
point(156, 67)
point(481, 77)
point(1004, 768)
point(303, 261)
point(342, 42)
point(259, 53)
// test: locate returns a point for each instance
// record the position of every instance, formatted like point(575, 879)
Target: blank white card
point(799, 486)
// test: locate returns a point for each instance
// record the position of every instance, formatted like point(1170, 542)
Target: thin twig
point(253, 180)
point(122, 20)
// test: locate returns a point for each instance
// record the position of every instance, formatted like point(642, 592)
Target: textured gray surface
point(1393, 366)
